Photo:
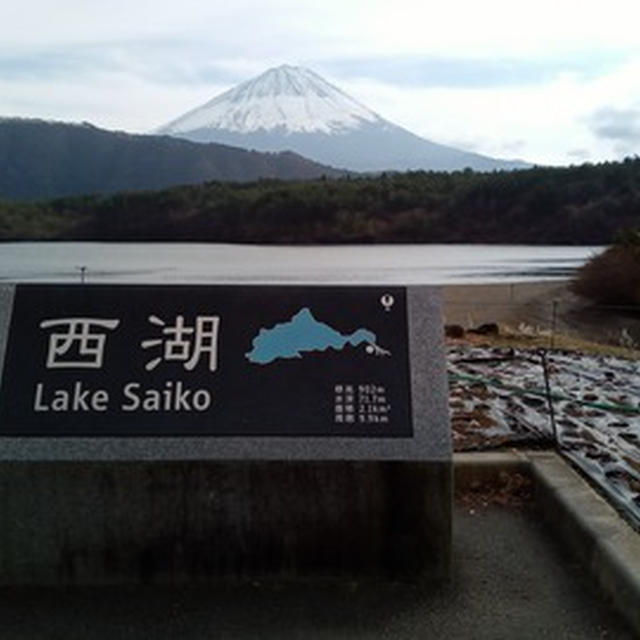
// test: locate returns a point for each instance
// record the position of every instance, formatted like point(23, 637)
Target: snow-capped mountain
point(292, 108)
point(291, 99)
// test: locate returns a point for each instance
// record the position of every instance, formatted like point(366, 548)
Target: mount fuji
point(293, 108)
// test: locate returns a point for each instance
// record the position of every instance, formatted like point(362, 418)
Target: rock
point(488, 329)
point(453, 331)
point(534, 401)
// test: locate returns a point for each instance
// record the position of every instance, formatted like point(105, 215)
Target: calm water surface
point(225, 263)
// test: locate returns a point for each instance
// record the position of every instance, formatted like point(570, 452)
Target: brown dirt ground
point(534, 311)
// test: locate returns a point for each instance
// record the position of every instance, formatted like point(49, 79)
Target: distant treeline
point(586, 204)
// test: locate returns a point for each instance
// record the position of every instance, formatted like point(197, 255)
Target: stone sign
point(180, 433)
point(223, 362)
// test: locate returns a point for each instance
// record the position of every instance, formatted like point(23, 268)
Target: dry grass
point(532, 338)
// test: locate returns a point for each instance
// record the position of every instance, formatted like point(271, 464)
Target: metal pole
point(547, 386)
point(554, 316)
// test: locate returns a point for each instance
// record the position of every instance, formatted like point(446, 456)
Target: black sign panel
point(211, 361)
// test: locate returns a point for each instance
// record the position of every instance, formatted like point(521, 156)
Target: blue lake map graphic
point(304, 334)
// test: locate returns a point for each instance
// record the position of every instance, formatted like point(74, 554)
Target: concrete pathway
point(511, 581)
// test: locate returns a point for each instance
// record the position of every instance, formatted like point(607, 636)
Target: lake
point(225, 263)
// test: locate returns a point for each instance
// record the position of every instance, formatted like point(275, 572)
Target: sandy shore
point(512, 304)
point(539, 308)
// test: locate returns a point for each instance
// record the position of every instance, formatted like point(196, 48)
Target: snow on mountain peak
point(286, 98)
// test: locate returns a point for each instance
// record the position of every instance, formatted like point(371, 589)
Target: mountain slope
point(294, 108)
point(41, 159)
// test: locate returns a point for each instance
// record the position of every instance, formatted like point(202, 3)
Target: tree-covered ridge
point(41, 159)
point(587, 204)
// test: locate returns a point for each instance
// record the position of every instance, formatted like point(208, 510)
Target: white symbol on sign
point(375, 350)
point(186, 344)
point(387, 301)
point(80, 345)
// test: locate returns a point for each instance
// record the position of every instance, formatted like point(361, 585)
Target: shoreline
point(531, 303)
point(542, 314)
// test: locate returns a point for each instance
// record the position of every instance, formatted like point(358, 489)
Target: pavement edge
point(599, 537)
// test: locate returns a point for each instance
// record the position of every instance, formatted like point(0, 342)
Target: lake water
point(224, 263)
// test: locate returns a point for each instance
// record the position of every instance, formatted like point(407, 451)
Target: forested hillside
point(588, 204)
point(41, 159)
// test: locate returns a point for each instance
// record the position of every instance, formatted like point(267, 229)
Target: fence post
point(554, 316)
point(547, 386)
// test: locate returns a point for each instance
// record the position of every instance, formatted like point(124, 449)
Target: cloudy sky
point(552, 82)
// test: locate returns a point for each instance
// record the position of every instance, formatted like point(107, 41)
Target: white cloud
point(549, 121)
point(490, 27)
point(137, 65)
point(111, 101)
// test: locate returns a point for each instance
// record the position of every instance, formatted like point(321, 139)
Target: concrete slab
point(71, 523)
point(511, 580)
point(589, 527)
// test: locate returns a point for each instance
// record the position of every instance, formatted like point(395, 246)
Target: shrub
point(613, 277)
